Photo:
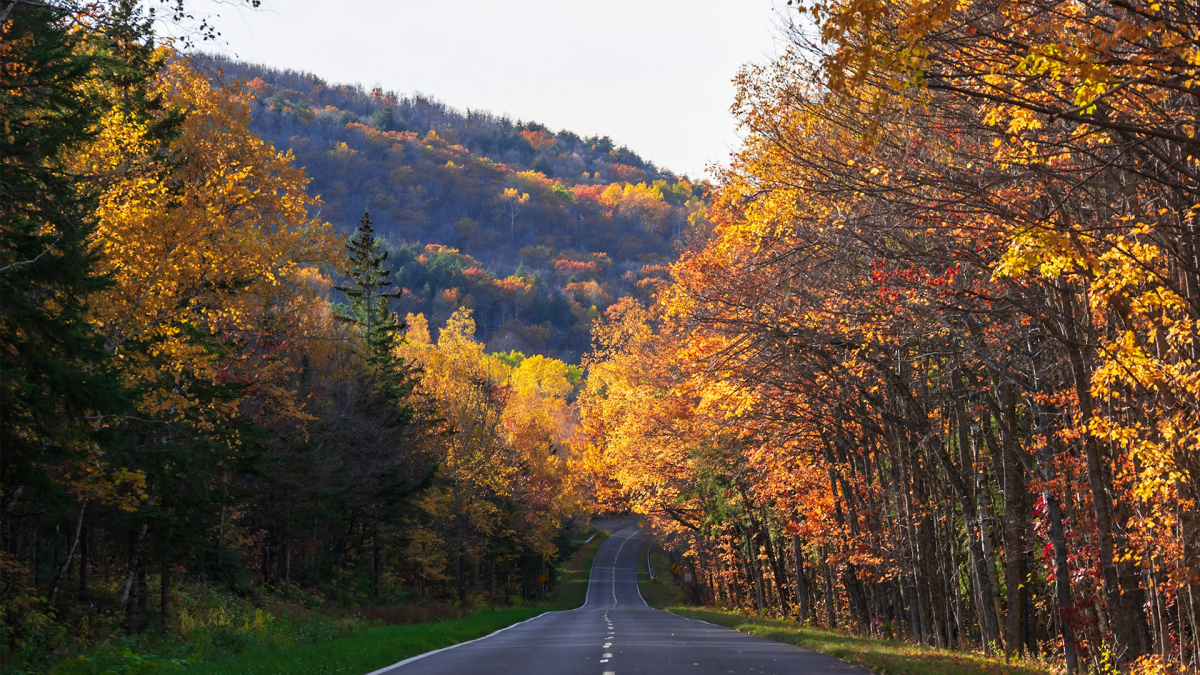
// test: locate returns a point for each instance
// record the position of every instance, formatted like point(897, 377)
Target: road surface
point(617, 633)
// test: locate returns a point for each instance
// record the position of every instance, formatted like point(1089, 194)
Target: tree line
point(511, 198)
point(932, 372)
point(205, 386)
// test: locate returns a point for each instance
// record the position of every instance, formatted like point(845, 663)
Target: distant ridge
point(446, 190)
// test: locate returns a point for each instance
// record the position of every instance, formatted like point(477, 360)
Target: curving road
point(617, 633)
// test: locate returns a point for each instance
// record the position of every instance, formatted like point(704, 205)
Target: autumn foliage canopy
point(934, 370)
point(207, 390)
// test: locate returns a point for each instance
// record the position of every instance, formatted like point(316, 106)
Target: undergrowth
point(883, 657)
point(215, 631)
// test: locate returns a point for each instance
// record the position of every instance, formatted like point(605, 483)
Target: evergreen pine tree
point(54, 372)
point(380, 328)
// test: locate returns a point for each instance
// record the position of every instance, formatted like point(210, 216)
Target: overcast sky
point(652, 74)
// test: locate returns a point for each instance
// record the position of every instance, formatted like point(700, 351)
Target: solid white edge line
point(688, 618)
point(637, 583)
point(587, 595)
point(803, 649)
point(418, 657)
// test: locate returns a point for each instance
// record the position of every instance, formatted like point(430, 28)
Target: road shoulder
point(885, 657)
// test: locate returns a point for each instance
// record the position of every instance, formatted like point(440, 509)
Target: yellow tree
point(513, 201)
point(538, 425)
point(503, 476)
point(202, 243)
point(203, 236)
point(475, 465)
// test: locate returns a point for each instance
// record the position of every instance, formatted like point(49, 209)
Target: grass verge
point(370, 650)
point(884, 657)
point(382, 646)
point(661, 592)
point(573, 583)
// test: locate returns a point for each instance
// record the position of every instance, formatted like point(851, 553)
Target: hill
point(537, 231)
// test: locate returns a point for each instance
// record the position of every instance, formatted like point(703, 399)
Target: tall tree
point(370, 311)
point(55, 378)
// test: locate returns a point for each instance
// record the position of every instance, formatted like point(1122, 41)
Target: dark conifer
point(53, 374)
point(380, 328)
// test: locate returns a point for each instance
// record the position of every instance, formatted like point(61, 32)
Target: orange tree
point(946, 268)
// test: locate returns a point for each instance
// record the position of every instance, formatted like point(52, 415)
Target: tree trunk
point(287, 551)
point(1189, 592)
point(776, 566)
point(129, 589)
point(1127, 648)
point(221, 537)
point(1062, 581)
point(62, 572)
point(164, 592)
point(756, 573)
point(376, 560)
point(1015, 530)
point(830, 599)
point(991, 631)
point(458, 578)
point(989, 602)
point(909, 597)
point(858, 601)
point(83, 566)
point(142, 588)
point(34, 547)
point(801, 594)
point(1062, 574)
point(492, 584)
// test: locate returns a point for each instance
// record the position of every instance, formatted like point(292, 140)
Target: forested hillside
point(536, 231)
point(923, 364)
point(220, 427)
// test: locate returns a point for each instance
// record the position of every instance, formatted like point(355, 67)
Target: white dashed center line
point(608, 641)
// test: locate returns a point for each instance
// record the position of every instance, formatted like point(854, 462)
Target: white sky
point(652, 74)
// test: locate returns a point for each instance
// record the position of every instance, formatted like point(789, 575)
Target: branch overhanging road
point(616, 633)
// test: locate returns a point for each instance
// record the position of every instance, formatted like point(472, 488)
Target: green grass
point(369, 650)
point(884, 657)
point(382, 646)
point(662, 591)
point(573, 582)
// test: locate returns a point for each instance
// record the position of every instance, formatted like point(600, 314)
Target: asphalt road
point(617, 633)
